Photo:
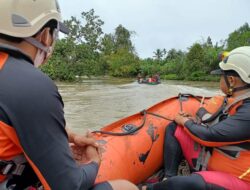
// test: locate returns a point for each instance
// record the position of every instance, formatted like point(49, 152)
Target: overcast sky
point(165, 23)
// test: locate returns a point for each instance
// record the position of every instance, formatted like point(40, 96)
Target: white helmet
point(237, 60)
point(24, 18)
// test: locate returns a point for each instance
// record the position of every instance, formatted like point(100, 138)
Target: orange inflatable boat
point(133, 146)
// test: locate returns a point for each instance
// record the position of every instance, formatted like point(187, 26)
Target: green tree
point(159, 54)
point(211, 57)
point(92, 30)
point(59, 66)
point(118, 53)
point(87, 51)
point(88, 30)
point(174, 62)
point(173, 54)
point(108, 44)
point(209, 42)
point(149, 66)
point(74, 26)
point(78, 53)
point(240, 37)
point(194, 61)
point(122, 39)
point(123, 64)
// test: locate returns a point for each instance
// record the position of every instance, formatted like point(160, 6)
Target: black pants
point(172, 151)
point(172, 158)
point(193, 182)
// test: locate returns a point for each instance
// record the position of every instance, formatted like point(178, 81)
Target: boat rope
point(127, 132)
point(180, 101)
point(144, 113)
point(198, 98)
point(160, 116)
point(182, 96)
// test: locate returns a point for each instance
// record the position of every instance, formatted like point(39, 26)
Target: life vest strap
point(205, 117)
point(202, 112)
point(232, 148)
point(205, 155)
point(13, 167)
point(203, 159)
point(6, 167)
point(16, 170)
point(236, 100)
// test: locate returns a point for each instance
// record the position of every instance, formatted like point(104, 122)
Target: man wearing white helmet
point(34, 145)
point(217, 147)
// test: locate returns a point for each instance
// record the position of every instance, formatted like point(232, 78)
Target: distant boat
point(149, 82)
point(154, 80)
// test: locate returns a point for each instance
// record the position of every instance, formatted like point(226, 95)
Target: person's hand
point(84, 155)
point(93, 154)
point(84, 148)
point(82, 140)
point(182, 117)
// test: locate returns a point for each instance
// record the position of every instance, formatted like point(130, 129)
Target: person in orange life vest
point(217, 153)
point(153, 79)
point(34, 144)
point(150, 79)
point(157, 78)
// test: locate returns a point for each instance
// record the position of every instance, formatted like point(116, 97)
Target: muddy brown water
point(92, 104)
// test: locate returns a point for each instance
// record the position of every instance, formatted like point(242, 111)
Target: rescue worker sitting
point(34, 145)
point(218, 151)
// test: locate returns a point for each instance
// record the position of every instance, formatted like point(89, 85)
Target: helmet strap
point(37, 44)
point(241, 88)
point(229, 87)
point(230, 91)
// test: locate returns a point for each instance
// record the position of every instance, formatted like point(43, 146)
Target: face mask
point(39, 59)
point(43, 53)
point(42, 56)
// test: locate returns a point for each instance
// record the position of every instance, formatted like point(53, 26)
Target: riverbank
point(211, 78)
point(173, 77)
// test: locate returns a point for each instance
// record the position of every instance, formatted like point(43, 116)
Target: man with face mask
point(34, 145)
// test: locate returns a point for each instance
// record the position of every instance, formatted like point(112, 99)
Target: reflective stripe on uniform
point(245, 174)
point(3, 58)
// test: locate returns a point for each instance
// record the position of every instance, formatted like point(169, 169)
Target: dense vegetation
point(87, 51)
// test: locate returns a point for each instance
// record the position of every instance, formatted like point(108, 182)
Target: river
point(92, 104)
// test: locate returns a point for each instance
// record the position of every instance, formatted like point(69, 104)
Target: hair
point(235, 74)
point(231, 73)
point(11, 38)
point(52, 24)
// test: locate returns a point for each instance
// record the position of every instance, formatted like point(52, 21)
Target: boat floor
point(183, 170)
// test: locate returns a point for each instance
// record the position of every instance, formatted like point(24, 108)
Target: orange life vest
point(13, 158)
point(210, 112)
point(237, 165)
point(10, 149)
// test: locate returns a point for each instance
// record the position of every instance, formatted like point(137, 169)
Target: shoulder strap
point(236, 100)
point(14, 166)
point(207, 117)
